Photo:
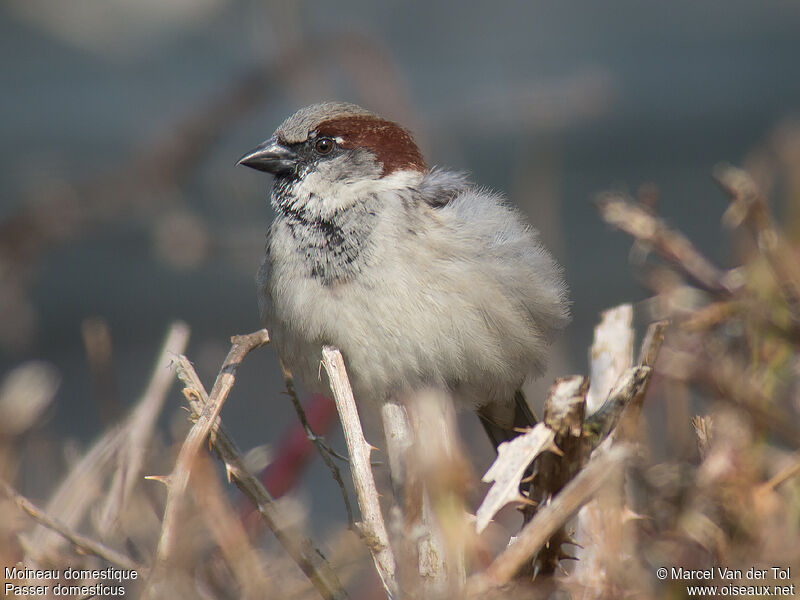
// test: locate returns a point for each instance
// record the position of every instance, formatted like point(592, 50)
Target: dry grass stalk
point(84, 543)
point(126, 443)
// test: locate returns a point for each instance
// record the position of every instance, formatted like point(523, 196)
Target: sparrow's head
point(332, 152)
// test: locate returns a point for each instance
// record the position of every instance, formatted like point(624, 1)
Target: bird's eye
point(324, 145)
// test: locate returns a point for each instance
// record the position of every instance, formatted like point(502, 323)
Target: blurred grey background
point(122, 122)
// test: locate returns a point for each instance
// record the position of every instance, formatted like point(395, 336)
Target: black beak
point(270, 157)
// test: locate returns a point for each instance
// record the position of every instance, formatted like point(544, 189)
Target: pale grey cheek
point(352, 165)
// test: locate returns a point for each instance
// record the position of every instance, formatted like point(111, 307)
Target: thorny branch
point(569, 435)
point(564, 411)
point(373, 528)
point(716, 358)
point(548, 520)
point(178, 481)
point(302, 550)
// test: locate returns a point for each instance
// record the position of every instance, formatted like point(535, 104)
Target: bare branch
point(782, 477)
point(603, 421)
point(310, 560)
point(564, 411)
point(179, 479)
point(672, 245)
point(438, 475)
point(373, 528)
point(629, 390)
point(399, 438)
point(651, 344)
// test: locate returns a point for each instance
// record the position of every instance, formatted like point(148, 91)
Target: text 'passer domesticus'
point(419, 277)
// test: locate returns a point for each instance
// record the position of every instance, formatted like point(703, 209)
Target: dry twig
point(672, 245)
point(229, 532)
point(399, 438)
point(629, 389)
point(438, 475)
point(297, 545)
point(782, 477)
point(373, 527)
point(178, 480)
point(564, 411)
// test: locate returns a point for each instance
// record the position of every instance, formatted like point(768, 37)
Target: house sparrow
point(419, 277)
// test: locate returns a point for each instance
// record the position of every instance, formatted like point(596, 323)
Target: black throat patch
point(333, 248)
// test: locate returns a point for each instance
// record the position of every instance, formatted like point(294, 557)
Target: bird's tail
point(523, 419)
